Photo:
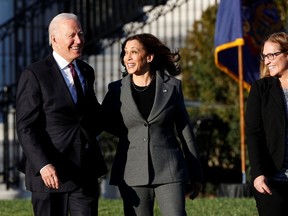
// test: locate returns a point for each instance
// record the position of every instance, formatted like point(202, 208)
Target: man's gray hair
point(53, 26)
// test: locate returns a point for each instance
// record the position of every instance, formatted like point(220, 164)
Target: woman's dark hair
point(163, 59)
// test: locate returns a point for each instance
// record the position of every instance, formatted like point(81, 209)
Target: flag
point(245, 24)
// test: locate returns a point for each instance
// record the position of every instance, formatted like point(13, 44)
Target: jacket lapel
point(276, 92)
point(162, 95)
point(127, 98)
point(84, 73)
point(58, 80)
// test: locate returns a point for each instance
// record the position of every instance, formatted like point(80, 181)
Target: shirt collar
point(62, 63)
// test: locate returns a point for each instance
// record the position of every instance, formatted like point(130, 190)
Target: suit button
point(145, 139)
point(146, 125)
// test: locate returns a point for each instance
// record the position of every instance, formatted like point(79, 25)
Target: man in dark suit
point(57, 123)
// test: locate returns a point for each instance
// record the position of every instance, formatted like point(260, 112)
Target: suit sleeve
point(30, 120)
point(93, 112)
point(112, 118)
point(187, 138)
point(254, 131)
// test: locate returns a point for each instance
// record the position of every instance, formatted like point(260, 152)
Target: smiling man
point(57, 114)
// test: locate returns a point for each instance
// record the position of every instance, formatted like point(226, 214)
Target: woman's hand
point(194, 190)
point(260, 184)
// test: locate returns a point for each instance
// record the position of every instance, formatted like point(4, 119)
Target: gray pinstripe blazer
point(156, 137)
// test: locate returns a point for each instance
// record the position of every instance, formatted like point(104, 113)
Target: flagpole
point(242, 126)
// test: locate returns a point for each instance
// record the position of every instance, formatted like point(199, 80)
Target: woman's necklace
point(139, 88)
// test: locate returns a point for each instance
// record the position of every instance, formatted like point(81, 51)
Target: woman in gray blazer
point(267, 129)
point(145, 109)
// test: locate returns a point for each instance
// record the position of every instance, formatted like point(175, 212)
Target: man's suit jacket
point(266, 120)
point(50, 128)
point(138, 138)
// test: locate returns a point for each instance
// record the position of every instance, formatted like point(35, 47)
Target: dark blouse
point(144, 97)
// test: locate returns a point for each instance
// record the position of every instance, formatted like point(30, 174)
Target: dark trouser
point(60, 204)
point(275, 204)
point(140, 200)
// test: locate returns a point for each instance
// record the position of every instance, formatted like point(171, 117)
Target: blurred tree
point(283, 9)
point(216, 92)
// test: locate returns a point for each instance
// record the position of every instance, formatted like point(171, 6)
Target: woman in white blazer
point(145, 109)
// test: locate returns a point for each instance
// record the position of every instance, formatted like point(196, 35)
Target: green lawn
point(197, 207)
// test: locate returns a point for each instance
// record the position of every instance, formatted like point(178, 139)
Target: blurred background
point(207, 38)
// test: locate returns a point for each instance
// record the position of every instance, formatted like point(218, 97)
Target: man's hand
point(49, 176)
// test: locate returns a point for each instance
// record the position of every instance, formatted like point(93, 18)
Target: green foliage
point(197, 207)
point(283, 10)
point(216, 92)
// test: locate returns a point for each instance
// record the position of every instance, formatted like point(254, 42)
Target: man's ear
point(53, 38)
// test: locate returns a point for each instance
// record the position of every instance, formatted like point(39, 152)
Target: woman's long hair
point(163, 59)
point(280, 38)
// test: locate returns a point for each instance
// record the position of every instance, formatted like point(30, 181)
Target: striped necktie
point(77, 84)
